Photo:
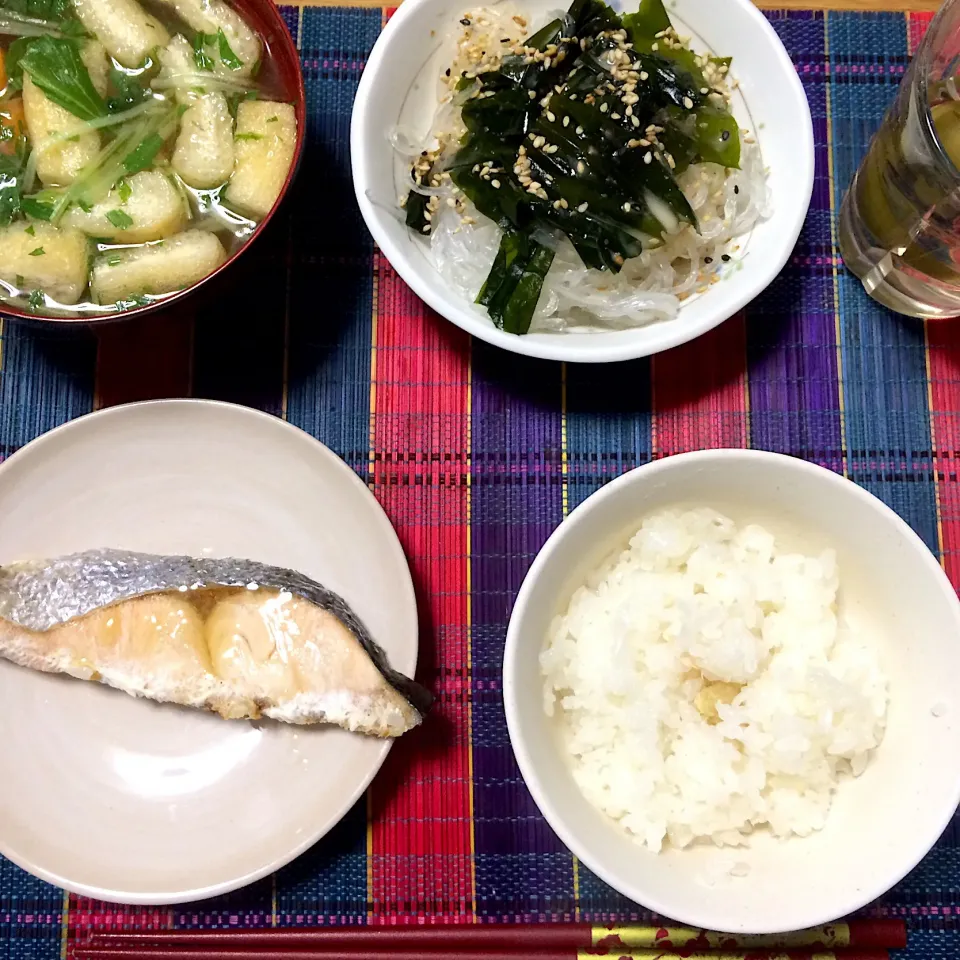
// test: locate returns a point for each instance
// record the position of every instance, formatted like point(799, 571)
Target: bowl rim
point(555, 347)
point(858, 898)
point(271, 12)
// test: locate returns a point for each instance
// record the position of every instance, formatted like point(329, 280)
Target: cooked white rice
point(705, 685)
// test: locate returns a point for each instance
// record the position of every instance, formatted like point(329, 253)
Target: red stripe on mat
point(87, 915)
point(145, 358)
point(420, 802)
point(917, 24)
point(943, 358)
point(699, 393)
point(944, 371)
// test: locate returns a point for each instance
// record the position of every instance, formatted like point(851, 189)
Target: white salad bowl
point(399, 89)
point(882, 823)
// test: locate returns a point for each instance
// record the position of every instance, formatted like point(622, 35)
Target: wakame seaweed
point(581, 132)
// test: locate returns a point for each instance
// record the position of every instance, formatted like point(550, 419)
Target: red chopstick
point(891, 934)
point(534, 953)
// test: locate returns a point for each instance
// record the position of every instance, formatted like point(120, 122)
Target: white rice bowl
point(706, 686)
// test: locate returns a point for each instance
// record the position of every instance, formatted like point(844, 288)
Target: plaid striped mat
point(476, 455)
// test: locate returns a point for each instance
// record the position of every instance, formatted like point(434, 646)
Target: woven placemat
point(477, 454)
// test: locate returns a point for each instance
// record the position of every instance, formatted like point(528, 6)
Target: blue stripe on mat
point(47, 378)
point(884, 361)
point(609, 424)
point(329, 882)
point(331, 298)
point(609, 431)
point(30, 915)
point(330, 340)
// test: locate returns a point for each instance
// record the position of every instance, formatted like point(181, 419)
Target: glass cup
point(900, 220)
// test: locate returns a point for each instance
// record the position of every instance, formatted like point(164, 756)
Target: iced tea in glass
point(900, 220)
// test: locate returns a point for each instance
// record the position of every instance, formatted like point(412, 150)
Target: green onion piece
point(37, 209)
point(144, 154)
point(120, 219)
point(200, 57)
point(55, 66)
point(227, 56)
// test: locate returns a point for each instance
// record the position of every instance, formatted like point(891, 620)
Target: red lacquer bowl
point(264, 17)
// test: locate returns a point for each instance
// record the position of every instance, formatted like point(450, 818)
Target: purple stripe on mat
point(522, 869)
point(791, 327)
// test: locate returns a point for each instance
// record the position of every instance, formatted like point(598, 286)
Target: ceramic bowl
point(265, 18)
point(882, 823)
point(399, 89)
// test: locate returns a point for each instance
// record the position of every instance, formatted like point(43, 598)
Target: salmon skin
point(237, 637)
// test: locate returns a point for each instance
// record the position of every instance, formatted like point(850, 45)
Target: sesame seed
point(581, 167)
point(495, 184)
point(644, 75)
point(582, 208)
point(736, 189)
point(704, 89)
point(654, 46)
point(603, 108)
point(532, 94)
point(579, 131)
point(688, 103)
point(539, 142)
point(551, 116)
point(726, 258)
point(626, 207)
point(648, 157)
point(566, 121)
point(614, 116)
point(425, 228)
point(635, 121)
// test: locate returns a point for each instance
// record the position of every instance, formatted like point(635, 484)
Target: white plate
point(135, 802)
point(399, 88)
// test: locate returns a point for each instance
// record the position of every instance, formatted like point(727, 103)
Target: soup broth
point(141, 144)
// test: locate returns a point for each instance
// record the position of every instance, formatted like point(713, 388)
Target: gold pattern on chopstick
point(645, 938)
